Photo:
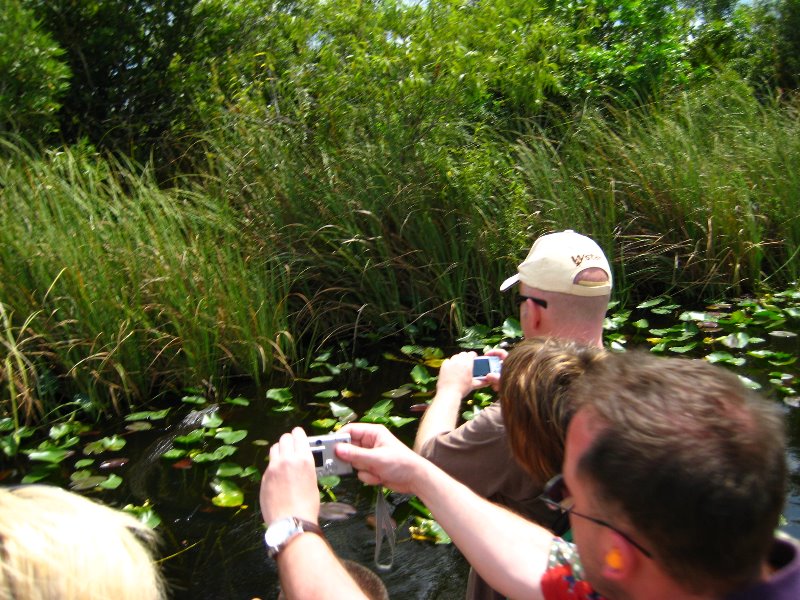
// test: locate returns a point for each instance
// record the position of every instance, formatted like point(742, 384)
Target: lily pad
point(229, 495)
point(231, 437)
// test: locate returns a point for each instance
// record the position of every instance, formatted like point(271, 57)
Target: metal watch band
point(302, 526)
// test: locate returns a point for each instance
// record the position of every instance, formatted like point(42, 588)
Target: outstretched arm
point(455, 382)
point(509, 552)
point(289, 489)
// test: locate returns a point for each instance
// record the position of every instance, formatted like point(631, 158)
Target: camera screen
point(317, 452)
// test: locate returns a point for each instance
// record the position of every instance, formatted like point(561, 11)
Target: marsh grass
point(701, 192)
point(283, 240)
point(134, 290)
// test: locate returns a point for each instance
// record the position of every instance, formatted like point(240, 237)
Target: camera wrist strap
point(383, 529)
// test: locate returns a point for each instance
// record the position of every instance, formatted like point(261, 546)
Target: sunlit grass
point(282, 241)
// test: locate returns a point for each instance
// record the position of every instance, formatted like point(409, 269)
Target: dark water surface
point(218, 553)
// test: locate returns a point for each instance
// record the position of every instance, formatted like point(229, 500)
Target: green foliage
point(33, 75)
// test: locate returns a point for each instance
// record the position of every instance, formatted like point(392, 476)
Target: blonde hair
point(536, 400)
point(58, 545)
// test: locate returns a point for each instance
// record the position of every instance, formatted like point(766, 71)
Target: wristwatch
point(281, 532)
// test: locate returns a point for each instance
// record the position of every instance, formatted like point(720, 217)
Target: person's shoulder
point(784, 583)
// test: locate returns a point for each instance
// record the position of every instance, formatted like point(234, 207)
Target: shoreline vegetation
point(357, 172)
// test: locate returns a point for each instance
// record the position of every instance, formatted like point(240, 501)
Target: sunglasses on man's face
point(556, 496)
point(522, 298)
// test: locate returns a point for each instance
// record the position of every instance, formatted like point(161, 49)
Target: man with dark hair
point(685, 456)
point(674, 477)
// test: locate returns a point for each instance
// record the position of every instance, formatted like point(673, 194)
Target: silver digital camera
point(483, 365)
point(325, 461)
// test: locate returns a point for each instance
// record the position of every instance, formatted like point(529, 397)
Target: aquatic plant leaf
point(428, 529)
point(421, 375)
point(229, 495)
point(218, 454)
point(641, 324)
point(60, 430)
point(174, 453)
point(138, 426)
point(327, 394)
point(380, 409)
point(80, 474)
point(693, 315)
point(231, 437)
point(325, 424)
point(112, 482)
point(191, 438)
point(749, 383)
point(6, 424)
point(238, 401)
point(228, 469)
point(726, 358)
point(39, 472)
point(51, 455)
point(211, 420)
point(196, 400)
point(398, 392)
point(9, 445)
point(652, 302)
point(793, 401)
point(511, 328)
point(84, 462)
point(320, 379)
point(251, 472)
point(110, 443)
point(736, 340)
point(145, 514)
point(329, 481)
point(665, 310)
point(340, 410)
point(86, 483)
point(400, 421)
point(280, 395)
point(683, 349)
point(148, 415)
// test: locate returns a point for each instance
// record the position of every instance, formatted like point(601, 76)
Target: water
point(218, 553)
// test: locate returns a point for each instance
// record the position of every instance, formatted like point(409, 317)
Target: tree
point(33, 75)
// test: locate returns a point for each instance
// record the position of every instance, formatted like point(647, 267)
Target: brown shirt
point(478, 455)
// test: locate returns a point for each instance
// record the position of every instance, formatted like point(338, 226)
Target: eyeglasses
point(556, 496)
point(539, 301)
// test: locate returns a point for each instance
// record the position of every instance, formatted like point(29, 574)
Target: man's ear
point(620, 558)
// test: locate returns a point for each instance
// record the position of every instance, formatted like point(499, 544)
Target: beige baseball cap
point(556, 259)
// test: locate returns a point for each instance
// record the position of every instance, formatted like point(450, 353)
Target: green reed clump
point(131, 289)
point(700, 192)
point(382, 231)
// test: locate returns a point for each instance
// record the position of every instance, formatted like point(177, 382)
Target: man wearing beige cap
point(564, 289)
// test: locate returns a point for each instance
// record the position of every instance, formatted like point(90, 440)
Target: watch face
point(279, 531)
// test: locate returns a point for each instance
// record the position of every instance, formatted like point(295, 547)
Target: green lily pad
point(191, 438)
point(231, 437)
point(229, 495)
point(174, 454)
point(218, 454)
point(52, 455)
point(228, 469)
point(238, 401)
point(196, 400)
point(211, 420)
point(39, 472)
point(148, 415)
